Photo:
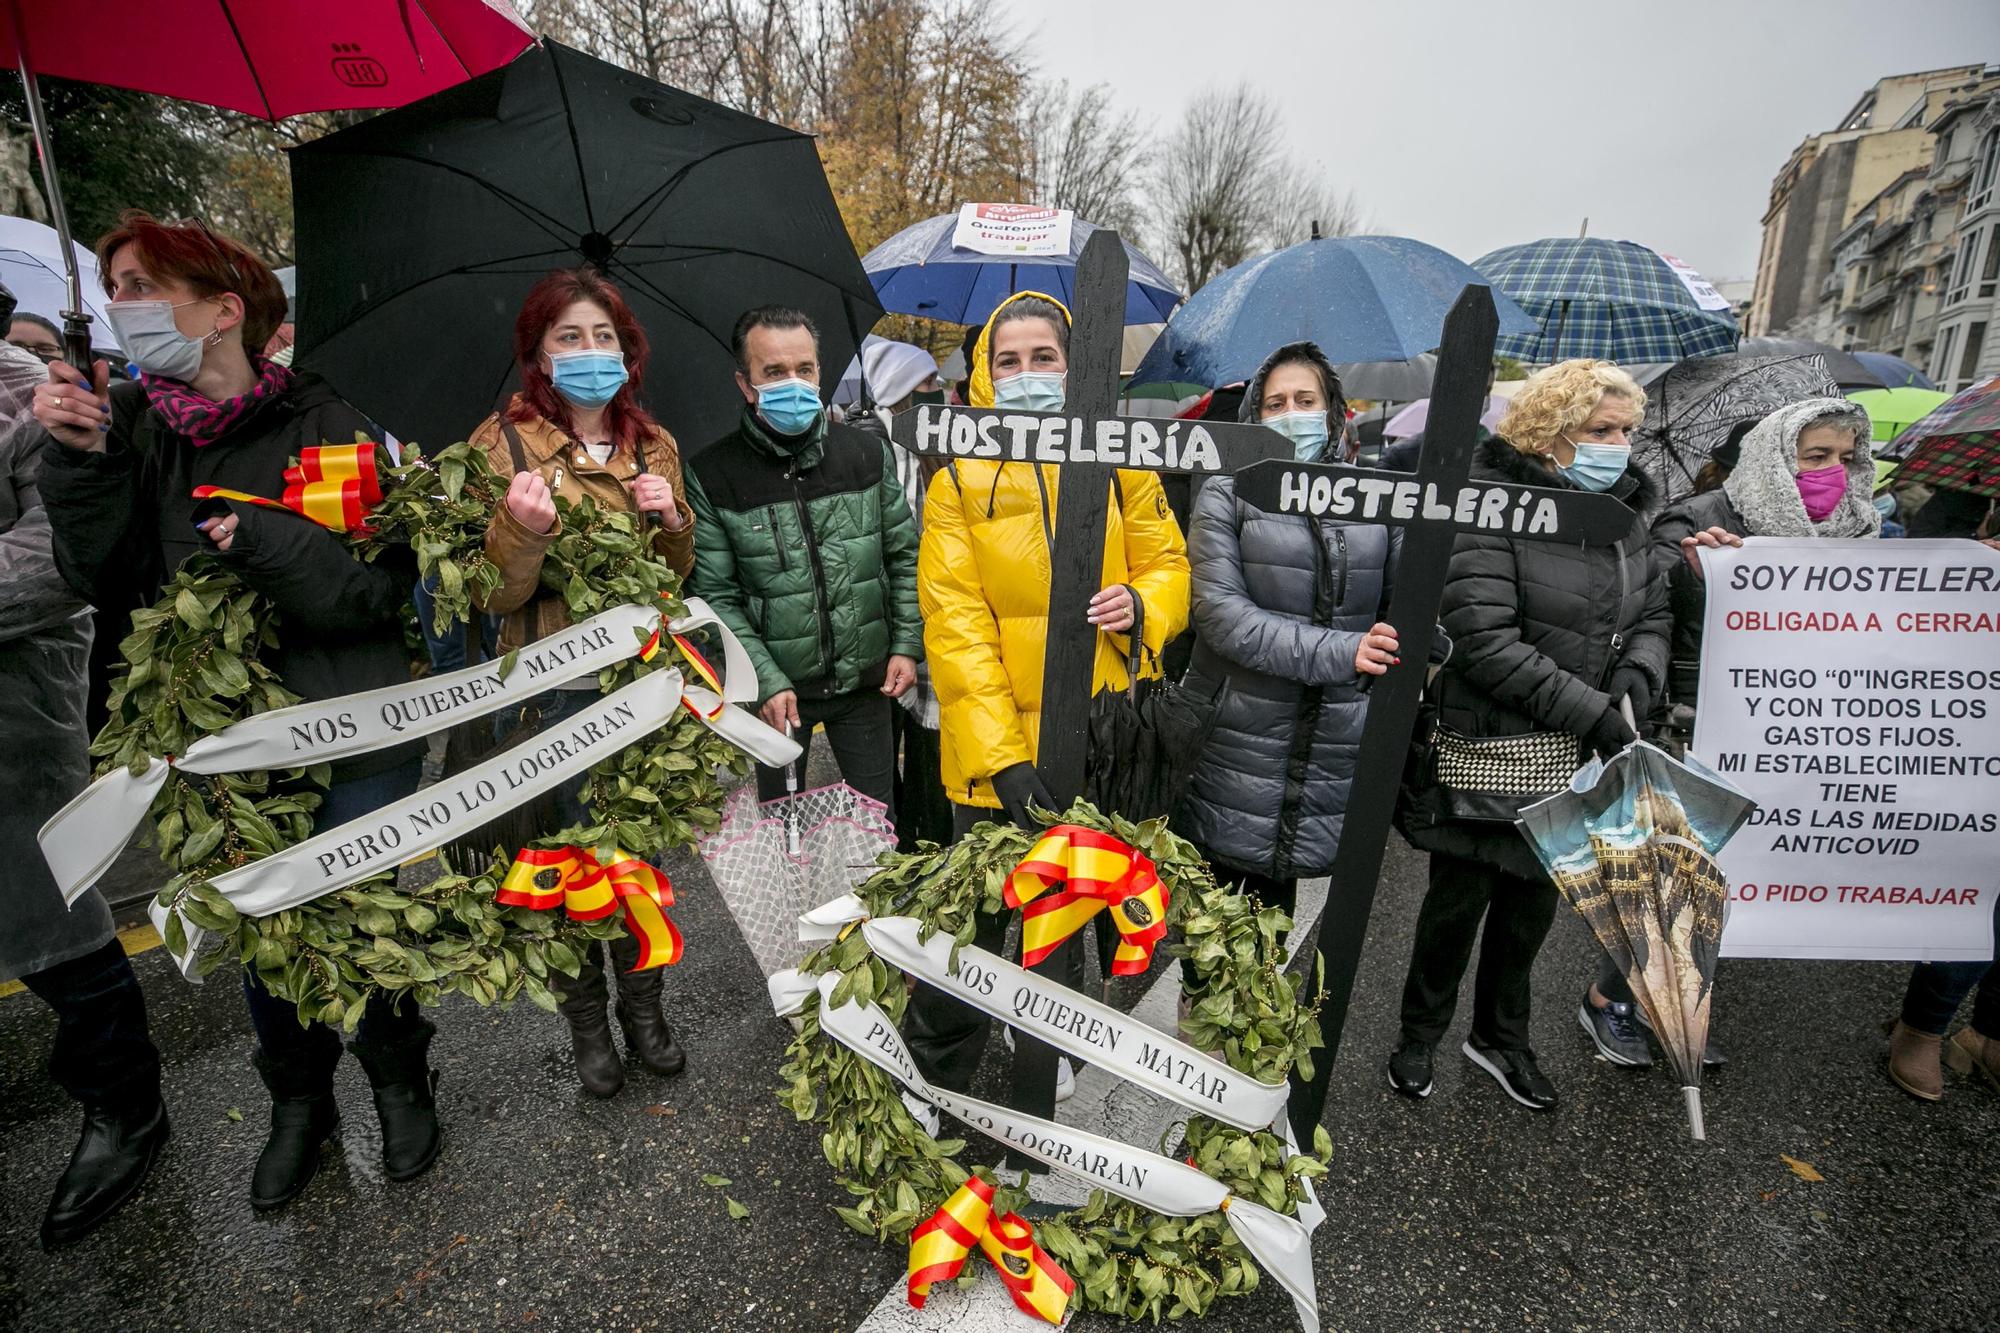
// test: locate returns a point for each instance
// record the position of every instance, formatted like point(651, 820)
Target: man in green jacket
point(805, 547)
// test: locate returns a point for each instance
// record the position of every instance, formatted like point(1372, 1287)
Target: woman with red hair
point(577, 429)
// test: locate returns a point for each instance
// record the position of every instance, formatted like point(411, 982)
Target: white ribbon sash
point(1281, 1245)
point(1079, 1026)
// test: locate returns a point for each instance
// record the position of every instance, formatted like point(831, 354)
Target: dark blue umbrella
point(1896, 373)
point(1617, 300)
point(1361, 298)
point(919, 272)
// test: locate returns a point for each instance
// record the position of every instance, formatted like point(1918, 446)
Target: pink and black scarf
point(205, 421)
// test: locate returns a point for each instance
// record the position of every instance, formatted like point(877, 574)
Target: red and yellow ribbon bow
point(544, 879)
point(940, 1246)
point(1072, 874)
point(696, 663)
point(334, 485)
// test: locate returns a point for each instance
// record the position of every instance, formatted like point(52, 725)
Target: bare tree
point(1306, 206)
point(1085, 155)
point(1213, 182)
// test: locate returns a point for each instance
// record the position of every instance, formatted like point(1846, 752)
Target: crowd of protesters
point(899, 606)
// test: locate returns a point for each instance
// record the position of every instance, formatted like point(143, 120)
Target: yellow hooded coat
point(983, 581)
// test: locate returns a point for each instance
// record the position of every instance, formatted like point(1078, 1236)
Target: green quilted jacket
point(805, 547)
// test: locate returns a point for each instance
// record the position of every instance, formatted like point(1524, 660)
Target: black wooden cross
point(1434, 504)
point(1088, 442)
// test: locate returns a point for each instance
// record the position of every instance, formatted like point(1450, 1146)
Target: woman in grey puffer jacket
point(1287, 616)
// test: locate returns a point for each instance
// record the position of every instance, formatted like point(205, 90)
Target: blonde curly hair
point(1560, 398)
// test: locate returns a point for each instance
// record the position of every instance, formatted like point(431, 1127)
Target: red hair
point(544, 305)
point(207, 261)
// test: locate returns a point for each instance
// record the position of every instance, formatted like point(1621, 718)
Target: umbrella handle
point(1625, 711)
point(792, 840)
point(1696, 1129)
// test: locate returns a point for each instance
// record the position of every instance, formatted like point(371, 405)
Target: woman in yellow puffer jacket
point(983, 582)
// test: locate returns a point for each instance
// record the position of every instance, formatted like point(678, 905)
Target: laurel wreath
point(1127, 1261)
point(193, 665)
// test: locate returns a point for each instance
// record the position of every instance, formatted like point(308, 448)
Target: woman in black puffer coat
point(1546, 638)
point(1286, 612)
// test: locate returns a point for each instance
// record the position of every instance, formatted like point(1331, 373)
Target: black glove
point(1018, 786)
point(1628, 682)
point(1609, 734)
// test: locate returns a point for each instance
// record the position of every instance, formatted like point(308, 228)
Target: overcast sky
point(1475, 125)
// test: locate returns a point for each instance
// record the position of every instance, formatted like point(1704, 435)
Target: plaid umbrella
point(1691, 409)
point(1618, 300)
point(1957, 446)
point(1632, 843)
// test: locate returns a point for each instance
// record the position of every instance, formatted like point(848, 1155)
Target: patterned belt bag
point(1492, 777)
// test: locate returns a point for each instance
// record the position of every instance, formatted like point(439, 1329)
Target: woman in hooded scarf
point(1287, 615)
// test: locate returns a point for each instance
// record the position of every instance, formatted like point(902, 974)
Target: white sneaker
point(924, 1114)
point(1065, 1074)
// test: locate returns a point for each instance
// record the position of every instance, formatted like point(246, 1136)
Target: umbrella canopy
point(1893, 411)
point(1632, 845)
point(1957, 446)
point(918, 271)
point(31, 265)
point(1691, 409)
point(269, 60)
point(1617, 300)
point(1847, 370)
point(1360, 298)
point(695, 211)
point(1389, 381)
point(1894, 371)
point(838, 834)
point(1417, 415)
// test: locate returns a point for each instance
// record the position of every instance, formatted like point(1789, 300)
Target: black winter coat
point(1687, 595)
point(1280, 606)
point(1536, 629)
point(124, 520)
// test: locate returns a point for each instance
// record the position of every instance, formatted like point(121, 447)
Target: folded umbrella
point(1617, 300)
point(419, 232)
point(1632, 844)
point(1691, 409)
point(1360, 298)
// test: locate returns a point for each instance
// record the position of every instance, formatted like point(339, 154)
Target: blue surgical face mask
point(1306, 431)
point(589, 378)
point(1032, 391)
point(788, 407)
point(156, 345)
point(1597, 467)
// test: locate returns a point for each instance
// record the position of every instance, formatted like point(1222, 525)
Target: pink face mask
point(1821, 490)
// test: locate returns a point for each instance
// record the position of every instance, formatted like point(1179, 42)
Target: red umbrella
point(268, 58)
point(1957, 446)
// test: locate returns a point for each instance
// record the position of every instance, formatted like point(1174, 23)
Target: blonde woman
point(1546, 640)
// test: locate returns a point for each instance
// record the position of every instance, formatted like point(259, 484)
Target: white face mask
point(147, 332)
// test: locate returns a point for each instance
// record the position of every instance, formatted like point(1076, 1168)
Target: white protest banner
point(1012, 229)
point(1282, 1245)
point(1852, 688)
point(81, 840)
point(1700, 288)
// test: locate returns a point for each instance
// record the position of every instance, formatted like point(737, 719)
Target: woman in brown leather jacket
point(577, 429)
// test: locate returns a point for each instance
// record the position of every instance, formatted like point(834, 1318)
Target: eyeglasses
point(221, 253)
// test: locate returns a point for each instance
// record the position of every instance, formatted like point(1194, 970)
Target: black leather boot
point(585, 997)
point(303, 1117)
point(646, 1032)
point(112, 1158)
point(405, 1100)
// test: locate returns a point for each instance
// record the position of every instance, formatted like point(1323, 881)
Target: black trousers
point(102, 1054)
point(946, 1036)
point(1518, 913)
point(923, 811)
point(862, 734)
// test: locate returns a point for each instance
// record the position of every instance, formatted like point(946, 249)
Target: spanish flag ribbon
point(334, 485)
point(571, 878)
point(939, 1248)
point(696, 663)
point(1072, 874)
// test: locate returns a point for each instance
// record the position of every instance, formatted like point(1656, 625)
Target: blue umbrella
point(1617, 300)
point(919, 272)
point(1896, 373)
point(1361, 298)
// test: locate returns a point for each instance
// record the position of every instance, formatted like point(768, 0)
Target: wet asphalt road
point(551, 1211)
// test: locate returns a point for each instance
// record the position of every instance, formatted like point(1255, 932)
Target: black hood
point(1253, 392)
point(1497, 460)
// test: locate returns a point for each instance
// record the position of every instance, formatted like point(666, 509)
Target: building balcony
point(1876, 294)
point(1950, 173)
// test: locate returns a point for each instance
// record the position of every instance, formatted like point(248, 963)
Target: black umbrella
point(1691, 409)
point(1847, 370)
point(419, 232)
